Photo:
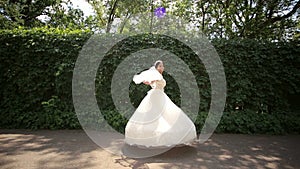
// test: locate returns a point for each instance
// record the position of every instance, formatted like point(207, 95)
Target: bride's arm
point(148, 83)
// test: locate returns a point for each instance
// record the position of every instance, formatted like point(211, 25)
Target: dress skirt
point(158, 122)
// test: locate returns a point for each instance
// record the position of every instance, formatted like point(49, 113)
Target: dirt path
point(71, 149)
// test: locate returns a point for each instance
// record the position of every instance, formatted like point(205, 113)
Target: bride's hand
point(146, 83)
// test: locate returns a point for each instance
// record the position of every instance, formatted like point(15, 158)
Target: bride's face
point(160, 67)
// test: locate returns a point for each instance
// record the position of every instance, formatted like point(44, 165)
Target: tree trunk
point(111, 16)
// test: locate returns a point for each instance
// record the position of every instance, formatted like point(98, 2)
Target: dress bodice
point(158, 84)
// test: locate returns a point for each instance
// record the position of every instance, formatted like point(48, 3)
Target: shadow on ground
point(227, 151)
point(73, 149)
point(67, 149)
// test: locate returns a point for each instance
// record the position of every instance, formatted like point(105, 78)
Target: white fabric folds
point(158, 122)
point(147, 76)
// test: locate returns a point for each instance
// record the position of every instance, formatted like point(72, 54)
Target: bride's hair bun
point(157, 63)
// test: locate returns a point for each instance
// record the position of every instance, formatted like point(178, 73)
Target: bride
point(158, 122)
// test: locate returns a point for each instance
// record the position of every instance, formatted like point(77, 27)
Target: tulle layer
point(158, 122)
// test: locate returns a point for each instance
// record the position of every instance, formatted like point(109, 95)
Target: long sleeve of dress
point(148, 76)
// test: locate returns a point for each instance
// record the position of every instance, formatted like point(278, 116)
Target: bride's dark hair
point(157, 63)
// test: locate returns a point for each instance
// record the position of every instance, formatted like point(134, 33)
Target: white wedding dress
point(158, 122)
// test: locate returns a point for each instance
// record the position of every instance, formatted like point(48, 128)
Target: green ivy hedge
point(263, 80)
point(36, 70)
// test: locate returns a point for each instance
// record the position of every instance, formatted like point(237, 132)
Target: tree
point(255, 19)
point(108, 10)
point(57, 13)
point(23, 13)
point(64, 15)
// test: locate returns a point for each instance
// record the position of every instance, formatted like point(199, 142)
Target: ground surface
point(70, 149)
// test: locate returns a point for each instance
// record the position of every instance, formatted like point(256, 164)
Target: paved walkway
point(71, 149)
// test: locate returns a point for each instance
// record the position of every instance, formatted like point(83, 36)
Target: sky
point(84, 6)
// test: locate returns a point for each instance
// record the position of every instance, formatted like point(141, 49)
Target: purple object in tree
point(160, 12)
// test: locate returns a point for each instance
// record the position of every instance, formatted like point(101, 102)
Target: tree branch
point(279, 18)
